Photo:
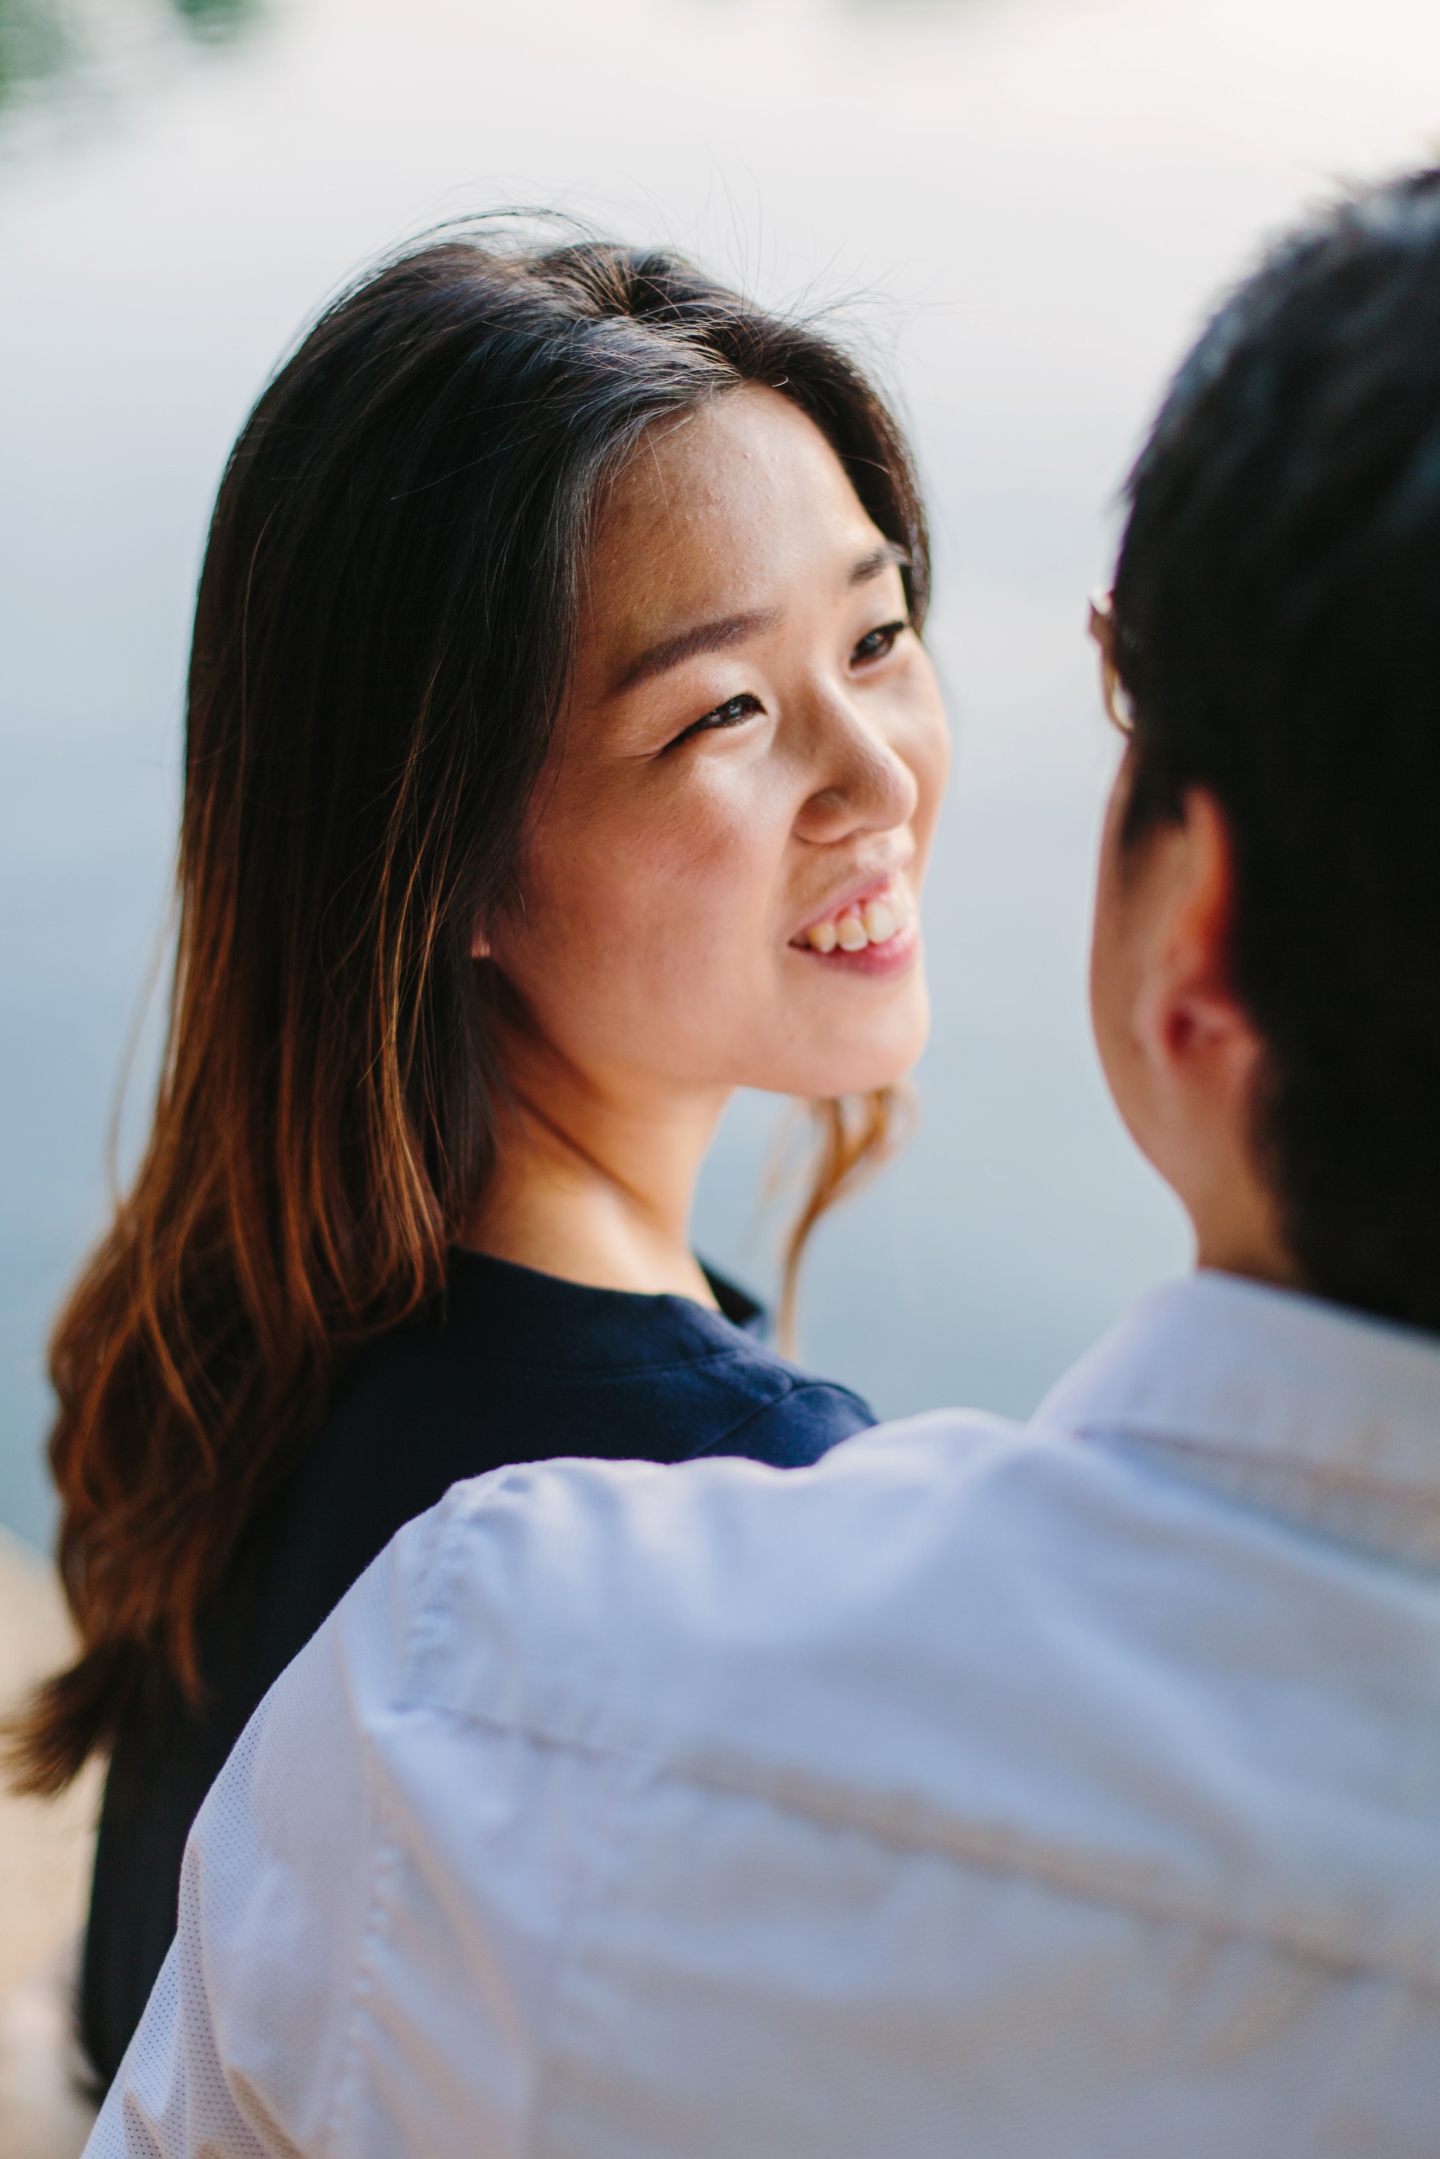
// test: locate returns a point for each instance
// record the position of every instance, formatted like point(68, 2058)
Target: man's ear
point(1204, 1052)
point(1191, 1018)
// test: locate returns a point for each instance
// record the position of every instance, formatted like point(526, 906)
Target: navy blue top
point(514, 1366)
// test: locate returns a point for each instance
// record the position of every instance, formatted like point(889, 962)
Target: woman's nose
point(865, 785)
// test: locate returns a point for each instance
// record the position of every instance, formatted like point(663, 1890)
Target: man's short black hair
point(1277, 628)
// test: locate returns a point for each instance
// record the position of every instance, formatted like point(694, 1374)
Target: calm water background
point(1018, 208)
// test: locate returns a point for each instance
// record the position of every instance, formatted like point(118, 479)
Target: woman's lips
point(873, 934)
point(869, 918)
point(893, 957)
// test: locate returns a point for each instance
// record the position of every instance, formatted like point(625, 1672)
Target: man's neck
point(1237, 1225)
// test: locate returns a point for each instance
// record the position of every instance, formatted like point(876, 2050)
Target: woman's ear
point(479, 944)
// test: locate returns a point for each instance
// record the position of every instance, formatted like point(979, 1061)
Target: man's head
point(1266, 977)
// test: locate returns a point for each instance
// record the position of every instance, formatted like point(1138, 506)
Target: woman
point(561, 756)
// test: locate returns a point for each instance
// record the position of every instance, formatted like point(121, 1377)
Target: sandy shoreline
point(44, 1879)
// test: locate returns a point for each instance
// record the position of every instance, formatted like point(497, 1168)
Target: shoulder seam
point(903, 1824)
point(997, 1848)
point(796, 1386)
point(385, 1875)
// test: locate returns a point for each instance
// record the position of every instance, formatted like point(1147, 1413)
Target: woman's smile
point(872, 932)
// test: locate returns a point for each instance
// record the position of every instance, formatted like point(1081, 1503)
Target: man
point(1070, 1790)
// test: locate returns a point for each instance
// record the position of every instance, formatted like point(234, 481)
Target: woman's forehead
point(717, 517)
point(741, 451)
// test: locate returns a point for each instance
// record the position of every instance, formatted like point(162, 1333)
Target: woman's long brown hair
point(382, 641)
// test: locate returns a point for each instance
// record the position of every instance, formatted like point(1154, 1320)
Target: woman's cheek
point(661, 881)
point(719, 847)
point(926, 750)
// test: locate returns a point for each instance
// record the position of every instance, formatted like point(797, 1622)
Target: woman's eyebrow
point(888, 556)
point(705, 637)
point(670, 652)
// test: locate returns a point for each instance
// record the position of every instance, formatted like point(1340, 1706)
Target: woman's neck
point(595, 1182)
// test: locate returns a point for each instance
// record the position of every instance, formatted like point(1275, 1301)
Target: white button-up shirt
point(985, 1791)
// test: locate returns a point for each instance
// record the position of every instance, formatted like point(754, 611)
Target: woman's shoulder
point(795, 1416)
point(518, 1366)
point(660, 1378)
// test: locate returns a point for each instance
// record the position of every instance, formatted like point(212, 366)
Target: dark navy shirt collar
point(532, 1318)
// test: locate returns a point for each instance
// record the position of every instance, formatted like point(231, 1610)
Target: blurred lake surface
point(1017, 209)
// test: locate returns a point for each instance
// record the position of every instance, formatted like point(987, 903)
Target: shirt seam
point(992, 1848)
point(388, 1855)
point(1356, 1480)
point(384, 1879)
point(766, 1409)
point(548, 2008)
point(1284, 1488)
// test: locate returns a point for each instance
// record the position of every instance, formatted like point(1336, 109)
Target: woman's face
point(723, 863)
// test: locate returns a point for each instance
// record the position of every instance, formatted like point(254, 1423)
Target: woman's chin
point(851, 1062)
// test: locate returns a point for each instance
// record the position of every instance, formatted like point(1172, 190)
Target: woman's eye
point(730, 714)
point(877, 643)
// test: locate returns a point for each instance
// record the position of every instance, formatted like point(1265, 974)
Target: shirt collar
point(1306, 1408)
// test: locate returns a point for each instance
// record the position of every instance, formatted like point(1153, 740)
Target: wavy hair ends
point(383, 636)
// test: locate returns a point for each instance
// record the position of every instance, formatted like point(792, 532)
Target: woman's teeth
point(874, 923)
